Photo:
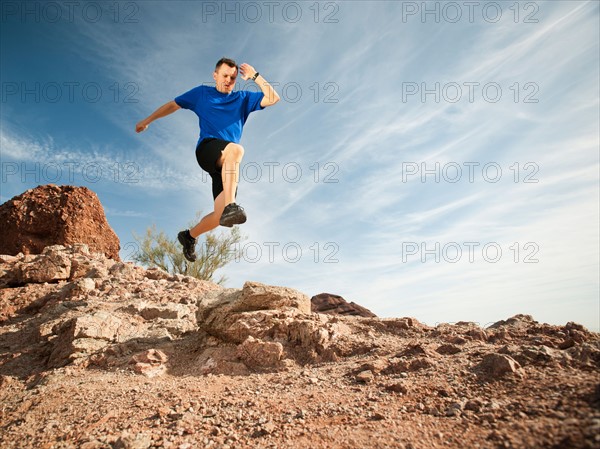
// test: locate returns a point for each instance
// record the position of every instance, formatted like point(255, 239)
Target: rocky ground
point(96, 353)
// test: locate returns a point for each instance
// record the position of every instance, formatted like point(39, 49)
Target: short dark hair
point(227, 61)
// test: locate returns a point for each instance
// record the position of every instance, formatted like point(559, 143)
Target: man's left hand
point(247, 71)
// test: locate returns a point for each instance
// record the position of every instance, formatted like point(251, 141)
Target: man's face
point(225, 78)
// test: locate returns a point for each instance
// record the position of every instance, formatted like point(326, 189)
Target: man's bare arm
point(271, 97)
point(164, 110)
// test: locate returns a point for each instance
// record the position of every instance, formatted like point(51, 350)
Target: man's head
point(225, 74)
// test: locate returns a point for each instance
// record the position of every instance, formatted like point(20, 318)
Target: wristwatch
point(255, 76)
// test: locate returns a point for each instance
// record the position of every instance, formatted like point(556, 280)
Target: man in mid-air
point(222, 114)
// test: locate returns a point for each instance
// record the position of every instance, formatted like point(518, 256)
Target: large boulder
point(237, 314)
point(270, 326)
point(336, 305)
point(55, 215)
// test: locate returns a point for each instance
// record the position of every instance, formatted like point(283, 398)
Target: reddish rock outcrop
point(336, 305)
point(55, 215)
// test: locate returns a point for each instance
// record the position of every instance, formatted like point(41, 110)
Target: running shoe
point(232, 215)
point(189, 245)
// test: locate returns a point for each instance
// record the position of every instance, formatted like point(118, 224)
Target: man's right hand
point(141, 126)
point(165, 109)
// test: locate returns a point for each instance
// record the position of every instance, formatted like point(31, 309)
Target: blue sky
point(435, 160)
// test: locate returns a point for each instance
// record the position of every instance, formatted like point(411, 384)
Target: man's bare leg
point(229, 162)
point(230, 171)
point(211, 220)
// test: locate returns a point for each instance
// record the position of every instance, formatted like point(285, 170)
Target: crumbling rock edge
point(87, 309)
point(69, 310)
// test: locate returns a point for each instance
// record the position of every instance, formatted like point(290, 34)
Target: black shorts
point(208, 153)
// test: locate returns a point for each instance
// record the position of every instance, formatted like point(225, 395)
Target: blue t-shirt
point(220, 115)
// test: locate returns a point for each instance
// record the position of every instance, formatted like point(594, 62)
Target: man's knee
point(234, 150)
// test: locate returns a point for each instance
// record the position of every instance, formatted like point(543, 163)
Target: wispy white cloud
point(125, 213)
